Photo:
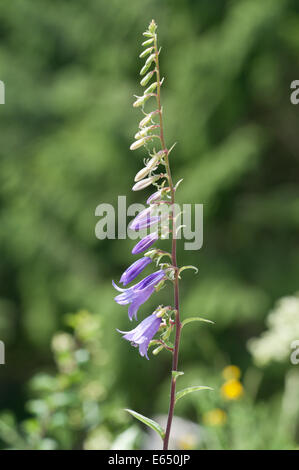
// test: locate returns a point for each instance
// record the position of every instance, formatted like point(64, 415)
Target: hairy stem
point(178, 325)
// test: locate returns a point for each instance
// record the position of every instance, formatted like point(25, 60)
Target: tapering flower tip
point(147, 65)
point(142, 173)
point(147, 78)
point(144, 131)
point(134, 270)
point(157, 195)
point(146, 120)
point(143, 333)
point(154, 161)
point(152, 27)
point(141, 100)
point(148, 42)
point(139, 143)
point(141, 133)
point(151, 88)
point(150, 59)
point(145, 52)
point(142, 215)
point(145, 243)
point(145, 182)
point(154, 197)
point(150, 166)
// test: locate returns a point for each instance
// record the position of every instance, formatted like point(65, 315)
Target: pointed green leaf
point(189, 320)
point(149, 422)
point(185, 391)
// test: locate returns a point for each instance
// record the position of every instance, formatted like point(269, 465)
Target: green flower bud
point(152, 27)
point(161, 311)
point(147, 78)
point(150, 59)
point(147, 34)
point(144, 69)
point(146, 52)
point(151, 88)
point(148, 42)
point(141, 100)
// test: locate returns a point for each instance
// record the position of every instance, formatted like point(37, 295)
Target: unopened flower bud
point(151, 254)
point(147, 42)
point(145, 120)
point(147, 78)
point(153, 161)
point(138, 143)
point(141, 133)
point(161, 311)
point(145, 183)
point(144, 69)
point(151, 88)
point(152, 27)
point(144, 131)
point(142, 174)
point(150, 59)
point(145, 52)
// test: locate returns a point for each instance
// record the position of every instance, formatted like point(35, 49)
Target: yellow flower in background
point(216, 417)
point(231, 372)
point(187, 442)
point(232, 389)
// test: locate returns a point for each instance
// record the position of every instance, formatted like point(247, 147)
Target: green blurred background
point(71, 69)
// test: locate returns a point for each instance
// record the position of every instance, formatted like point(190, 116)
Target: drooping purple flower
point(144, 220)
point(145, 243)
point(143, 333)
point(139, 293)
point(136, 268)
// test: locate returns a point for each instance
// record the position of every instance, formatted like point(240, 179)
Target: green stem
point(178, 325)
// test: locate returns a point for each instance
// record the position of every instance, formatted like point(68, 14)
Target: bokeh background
point(70, 70)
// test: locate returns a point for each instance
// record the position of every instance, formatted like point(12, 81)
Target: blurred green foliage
point(70, 70)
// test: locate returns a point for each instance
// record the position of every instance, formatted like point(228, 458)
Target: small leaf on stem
point(176, 373)
point(191, 319)
point(149, 422)
point(185, 391)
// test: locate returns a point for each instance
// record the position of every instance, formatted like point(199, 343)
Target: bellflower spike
point(143, 333)
point(136, 268)
point(145, 243)
point(161, 208)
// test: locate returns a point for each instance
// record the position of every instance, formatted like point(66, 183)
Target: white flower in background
point(283, 328)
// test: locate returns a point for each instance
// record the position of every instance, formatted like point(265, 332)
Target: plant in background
point(159, 218)
point(67, 409)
